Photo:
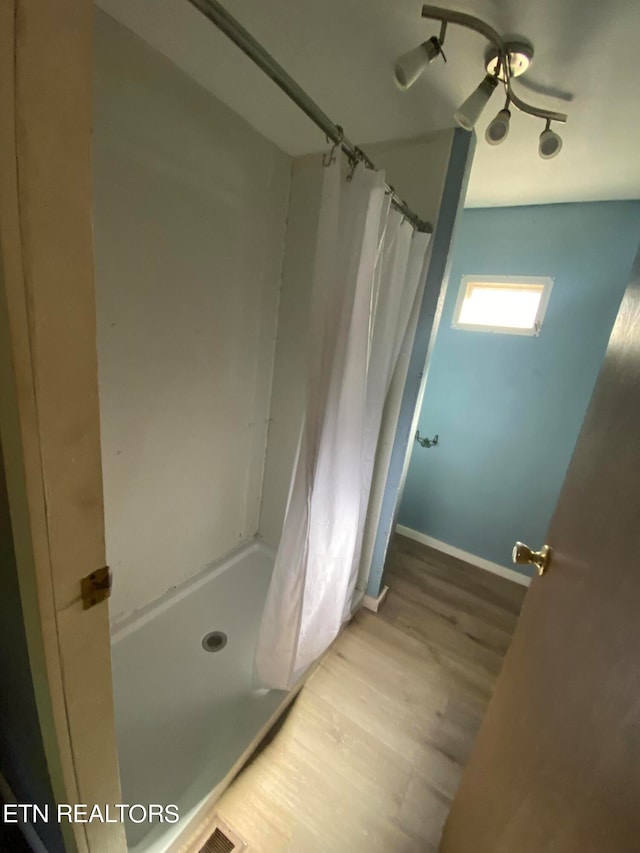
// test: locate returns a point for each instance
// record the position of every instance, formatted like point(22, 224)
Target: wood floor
point(372, 752)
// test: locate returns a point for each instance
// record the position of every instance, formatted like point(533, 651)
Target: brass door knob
point(523, 555)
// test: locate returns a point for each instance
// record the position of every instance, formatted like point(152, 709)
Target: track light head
point(498, 129)
point(469, 112)
point(550, 143)
point(411, 65)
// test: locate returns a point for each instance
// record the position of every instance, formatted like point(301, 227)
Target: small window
point(512, 305)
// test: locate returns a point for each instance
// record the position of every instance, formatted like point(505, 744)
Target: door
point(556, 766)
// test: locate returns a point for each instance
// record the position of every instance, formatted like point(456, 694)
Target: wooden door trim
point(49, 416)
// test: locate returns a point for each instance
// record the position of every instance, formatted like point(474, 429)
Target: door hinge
point(96, 587)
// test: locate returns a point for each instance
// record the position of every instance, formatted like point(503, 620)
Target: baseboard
point(31, 836)
point(375, 604)
point(480, 562)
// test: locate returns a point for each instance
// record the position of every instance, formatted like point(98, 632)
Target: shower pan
point(186, 717)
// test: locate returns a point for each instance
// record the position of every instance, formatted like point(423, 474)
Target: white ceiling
point(342, 52)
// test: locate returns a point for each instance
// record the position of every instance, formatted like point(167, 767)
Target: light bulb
point(550, 143)
point(469, 112)
point(498, 129)
point(411, 65)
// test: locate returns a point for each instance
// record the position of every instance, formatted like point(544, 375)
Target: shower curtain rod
point(225, 22)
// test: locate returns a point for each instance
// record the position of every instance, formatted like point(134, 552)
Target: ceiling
point(342, 52)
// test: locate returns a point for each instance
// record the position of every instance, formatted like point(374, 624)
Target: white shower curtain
point(367, 273)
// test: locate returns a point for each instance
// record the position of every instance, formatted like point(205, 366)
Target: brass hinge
point(96, 587)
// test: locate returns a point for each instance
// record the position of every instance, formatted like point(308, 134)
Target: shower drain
point(214, 641)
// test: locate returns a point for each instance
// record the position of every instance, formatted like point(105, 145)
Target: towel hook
point(426, 442)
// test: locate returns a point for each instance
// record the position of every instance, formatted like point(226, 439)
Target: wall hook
point(426, 442)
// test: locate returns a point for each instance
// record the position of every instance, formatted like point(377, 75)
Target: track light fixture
point(504, 60)
point(498, 128)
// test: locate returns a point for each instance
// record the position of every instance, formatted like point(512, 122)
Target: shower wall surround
point(190, 212)
point(205, 235)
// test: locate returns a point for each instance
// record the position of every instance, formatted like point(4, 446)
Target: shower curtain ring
point(354, 162)
point(330, 157)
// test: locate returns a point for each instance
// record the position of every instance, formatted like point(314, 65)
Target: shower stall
point(186, 711)
point(205, 237)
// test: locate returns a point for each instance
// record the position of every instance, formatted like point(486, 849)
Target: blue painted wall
point(508, 408)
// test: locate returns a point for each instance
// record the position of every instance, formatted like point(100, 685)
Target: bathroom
point(202, 351)
point(245, 409)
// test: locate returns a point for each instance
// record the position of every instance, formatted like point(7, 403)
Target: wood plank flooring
point(372, 752)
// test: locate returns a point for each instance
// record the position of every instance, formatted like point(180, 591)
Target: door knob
point(523, 555)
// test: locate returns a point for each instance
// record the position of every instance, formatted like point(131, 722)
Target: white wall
point(417, 170)
point(287, 398)
point(190, 212)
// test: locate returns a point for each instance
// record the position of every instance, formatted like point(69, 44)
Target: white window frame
point(545, 281)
